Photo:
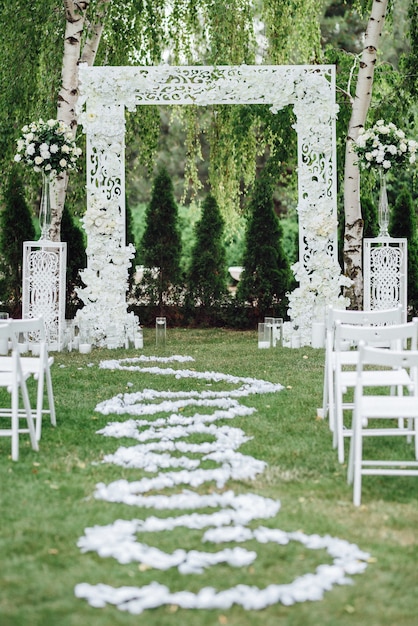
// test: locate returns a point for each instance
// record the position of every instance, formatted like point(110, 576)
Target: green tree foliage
point(266, 277)
point(76, 260)
point(207, 273)
point(135, 32)
point(160, 249)
point(370, 217)
point(16, 226)
point(130, 238)
point(403, 223)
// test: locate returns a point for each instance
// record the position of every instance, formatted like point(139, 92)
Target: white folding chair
point(385, 409)
point(396, 336)
point(13, 380)
point(39, 366)
point(357, 318)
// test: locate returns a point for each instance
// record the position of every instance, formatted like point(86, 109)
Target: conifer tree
point(130, 238)
point(160, 248)
point(266, 277)
point(16, 226)
point(76, 260)
point(403, 224)
point(207, 273)
point(369, 212)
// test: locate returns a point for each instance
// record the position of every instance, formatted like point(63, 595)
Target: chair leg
point(15, 419)
point(325, 395)
point(331, 399)
point(29, 419)
point(15, 423)
point(338, 440)
point(39, 406)
point(51, 401)
point(357, 459)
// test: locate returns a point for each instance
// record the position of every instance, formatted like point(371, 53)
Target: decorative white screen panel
point(385, 273)
point(44, 283)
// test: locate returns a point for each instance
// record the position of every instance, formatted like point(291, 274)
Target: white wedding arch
point(105, 93)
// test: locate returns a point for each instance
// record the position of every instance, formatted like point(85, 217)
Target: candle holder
point(160, 331)
point(112, 341)
point(22, 344)
point(264, 335)
point(84, 347)
point(277, 332)
point(138, 339)
point(269, 322)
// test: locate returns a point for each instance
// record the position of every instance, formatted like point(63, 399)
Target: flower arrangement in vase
point(47, 147)
point(383, 148)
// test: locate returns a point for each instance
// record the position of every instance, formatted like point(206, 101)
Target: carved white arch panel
point(105, 93)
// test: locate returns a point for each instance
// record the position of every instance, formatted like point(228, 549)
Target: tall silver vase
point(45, 208)
point(384, 213)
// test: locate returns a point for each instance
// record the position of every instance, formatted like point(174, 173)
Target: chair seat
point(376, 378)
point(389, 407)
point(29, 364)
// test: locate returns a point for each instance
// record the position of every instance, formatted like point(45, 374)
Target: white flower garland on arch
point(105, 93)
point(155, 440)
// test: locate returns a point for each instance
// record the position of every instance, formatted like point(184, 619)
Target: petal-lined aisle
point(157, 444)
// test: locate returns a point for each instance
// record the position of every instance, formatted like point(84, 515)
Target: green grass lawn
point(46, 499)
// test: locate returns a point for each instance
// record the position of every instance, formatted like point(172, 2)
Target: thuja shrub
point(130, 238)
point(403, 224)
point(207, 275)
point(266, 277)
point(16, 226)
point(76, 260)
point(160, 247)
point(370, 218)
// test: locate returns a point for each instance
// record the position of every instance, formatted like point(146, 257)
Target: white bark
point(76, 24)
point(353, 236)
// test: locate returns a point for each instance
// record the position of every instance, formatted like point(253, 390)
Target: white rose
point(38, 160)
point(63, 163)
point(386, 164)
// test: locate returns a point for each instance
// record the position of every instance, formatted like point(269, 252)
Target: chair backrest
point(377, 317)
point(4, 330)
point(392, 359)
point(33, 328)
point(7, 335)
point(393, 336)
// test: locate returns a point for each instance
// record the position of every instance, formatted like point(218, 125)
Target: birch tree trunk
point(76, 23)
point(353, 235)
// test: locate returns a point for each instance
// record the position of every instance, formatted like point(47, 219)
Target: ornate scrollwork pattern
point(42, 289)
point(104, 94)
point(385, 277)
